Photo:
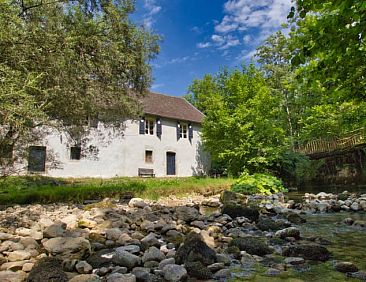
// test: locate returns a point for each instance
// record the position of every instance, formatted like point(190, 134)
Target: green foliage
point(66, 61)
point(38, 189)
point(242, 127)
point(258, 183)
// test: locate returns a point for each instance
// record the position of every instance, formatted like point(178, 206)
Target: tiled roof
point(171, 107)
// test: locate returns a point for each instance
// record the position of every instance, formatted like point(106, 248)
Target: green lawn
point(38, 189)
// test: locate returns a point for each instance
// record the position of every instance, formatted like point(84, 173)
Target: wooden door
point(170, 163)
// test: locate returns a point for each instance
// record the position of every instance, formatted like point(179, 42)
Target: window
point(75, 153)
point(184, 131)
point(148, 156)
point(37, 159)
point(149, 127)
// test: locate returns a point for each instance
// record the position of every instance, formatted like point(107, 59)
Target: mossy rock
point(195, 249)
point(98, 259)
point(295, 218)
point(267, 224)
point(252, 245)
point(237, 211)
point(47, 269)
point(234, 251)
point(308, 251)
point(231, 198)
point(198, 270)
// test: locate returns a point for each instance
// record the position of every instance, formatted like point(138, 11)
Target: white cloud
point(247, 39)
point(157, 86)
point(152, 9)
point(245, 14)
point(246, 55)
point(178, 60)
point(203, 45)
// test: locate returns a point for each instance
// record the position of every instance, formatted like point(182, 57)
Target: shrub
point(258, 183)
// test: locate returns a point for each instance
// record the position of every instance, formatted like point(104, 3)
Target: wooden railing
point(355, 138)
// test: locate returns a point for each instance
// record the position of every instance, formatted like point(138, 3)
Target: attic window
point(75, 153)
point(184, 131)
point(149, 126)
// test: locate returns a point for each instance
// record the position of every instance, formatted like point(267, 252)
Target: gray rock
point(133, 249)
point(153, 254)
point(272, 272)
point(68, 247)
point(216, 266)
point(123, 258)
point(186, 214)
point(165, 262)
point(174, 272)
point(150, 240)
point(294, 260)
point(118, 277)
point(113, 234)
point(222, 274)
point(83, 267)
point(54, 230)
point(355, 206)
point(5, 236)
point(86, 278)
point(137, 203)
point(141, 273)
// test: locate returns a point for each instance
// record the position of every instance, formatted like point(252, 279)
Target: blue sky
point(202, 36)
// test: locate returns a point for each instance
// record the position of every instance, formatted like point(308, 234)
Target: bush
point(258, 183)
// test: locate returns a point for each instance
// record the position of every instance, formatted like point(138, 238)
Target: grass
point(39, 189)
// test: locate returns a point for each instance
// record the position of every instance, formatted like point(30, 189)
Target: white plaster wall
point(123, 154)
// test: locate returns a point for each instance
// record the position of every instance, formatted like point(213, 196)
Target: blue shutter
point(159, 129)
point(142, 126)
point(190, 131)
point(179, 128)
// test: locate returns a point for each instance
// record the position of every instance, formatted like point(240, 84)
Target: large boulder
point(308, 251)
point(234, 210)
point(187, 214)
point(47, 269)
point(195, 249)
point(68, 247)
point(252, 245)
point(232, 198)
point(267, 224)
point(288, 232)
point(126, 259)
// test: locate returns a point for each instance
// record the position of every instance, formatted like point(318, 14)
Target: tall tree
point(63, 61)
point(329, 49)
point(241, 128)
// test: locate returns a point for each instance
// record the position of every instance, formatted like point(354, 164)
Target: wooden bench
point(146, 172)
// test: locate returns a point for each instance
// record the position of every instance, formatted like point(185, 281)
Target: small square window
point(148, 156)
point(75, 153)
point(37, 159)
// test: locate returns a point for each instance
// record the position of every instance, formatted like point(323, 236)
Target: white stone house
point(165, 142)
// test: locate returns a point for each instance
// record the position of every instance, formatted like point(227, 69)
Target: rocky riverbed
point(220, 238)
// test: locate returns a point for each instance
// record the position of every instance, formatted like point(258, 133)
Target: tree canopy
point(69, 60)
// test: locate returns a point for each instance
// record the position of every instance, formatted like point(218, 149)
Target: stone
point(198, 223)
point(151, 240)
point(186, 214)
point(10, 276)
point(267, 224)
point(198, 270)
point(19, 255)
point(216, 267)
point(113, 234)
point(174, 272)
point(29, 243)
point(252, 245)
point(272, 272)
point(348, 221)
point(68, 247)
point(5, 236)
point(308, 251)
point(355, 206)
point(195, 249)
point(123, 258)
point(294, 260)
point(141, 273)
point(47, 269)
point(344, 266)
point(137, 203)
point(165, 262)
point(102, 258)
point(27, 267)
point(153, 254)
point(361, 275)
point(295, 218)
point(288, 232)
point(83, 267)
point(222, 274)
point(54, 230)
point(133, 249)
point(231, 198)
point(118, 277)
point(238, 211)
point(86, 278)
point(26, 232)
point(71, 221)
point(13, 266)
